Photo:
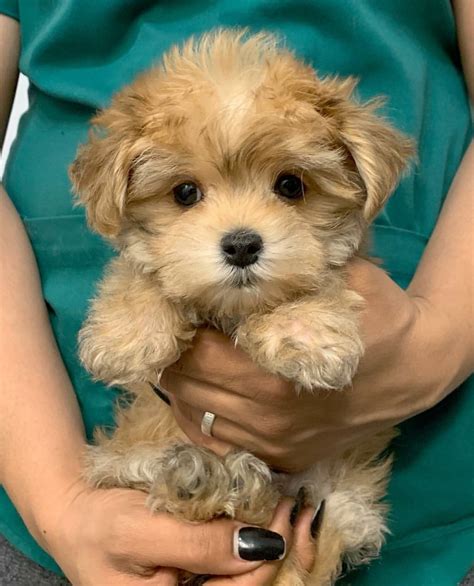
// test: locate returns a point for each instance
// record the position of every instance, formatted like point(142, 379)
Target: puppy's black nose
point(242, 247)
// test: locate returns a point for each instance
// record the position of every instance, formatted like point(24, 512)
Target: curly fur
point(231, 112)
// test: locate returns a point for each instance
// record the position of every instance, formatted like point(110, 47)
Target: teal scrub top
point(77, 53)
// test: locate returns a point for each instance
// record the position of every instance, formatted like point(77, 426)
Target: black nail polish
point(299, 503)
point(257, 545)
point(318, 519)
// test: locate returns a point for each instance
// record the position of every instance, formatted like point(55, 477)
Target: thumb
point(222, 547)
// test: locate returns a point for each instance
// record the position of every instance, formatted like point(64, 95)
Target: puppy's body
point(146, 453)
point(236, 185)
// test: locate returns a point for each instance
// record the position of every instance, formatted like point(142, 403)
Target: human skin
point(37, 399)
point(96, 536)
point(419, 347)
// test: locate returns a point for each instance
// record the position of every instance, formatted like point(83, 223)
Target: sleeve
point(10, 8)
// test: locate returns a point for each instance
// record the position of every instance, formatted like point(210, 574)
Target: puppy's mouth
point(242, 278)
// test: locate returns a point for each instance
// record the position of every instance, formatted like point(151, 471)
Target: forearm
point(444, 281)
point(445, 278)
point(9, 52)
point(41, 431)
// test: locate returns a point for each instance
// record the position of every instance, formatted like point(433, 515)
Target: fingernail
point(299, 503)
point(317, 520)
point(254, 544)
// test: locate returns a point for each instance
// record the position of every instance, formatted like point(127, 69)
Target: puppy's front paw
point(253, 495)
point(193, 484)
point(314, 346)
point(121, 358)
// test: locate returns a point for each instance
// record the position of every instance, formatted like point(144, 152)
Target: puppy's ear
point(379, 152)
point(100, 173)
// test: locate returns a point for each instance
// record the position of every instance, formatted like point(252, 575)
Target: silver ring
point(207, 422)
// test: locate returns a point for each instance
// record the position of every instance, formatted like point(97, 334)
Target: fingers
point(184, 386)
point(268, 440)
point(202, 397)
point(232, 426)
point(208, 398)
point(265, 574)
point(194, 397)
point(211, 347)
point(220, 547)
point(216, 361)
point(187, 418)
point(304, 545)
point(302, 549)
point(213, 548)
point(299, 542)
point(226, 433)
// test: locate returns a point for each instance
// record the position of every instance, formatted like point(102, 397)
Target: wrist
point(42, 501)
point(440, 351)
point(49, 521)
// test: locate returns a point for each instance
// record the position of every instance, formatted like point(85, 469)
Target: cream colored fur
point(231, 112)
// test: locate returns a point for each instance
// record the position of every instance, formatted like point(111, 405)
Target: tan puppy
point(235, 185)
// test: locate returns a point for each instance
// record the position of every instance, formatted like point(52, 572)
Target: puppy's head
point(235, 174)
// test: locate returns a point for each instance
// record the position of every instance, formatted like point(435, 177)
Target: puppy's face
point(235, 175)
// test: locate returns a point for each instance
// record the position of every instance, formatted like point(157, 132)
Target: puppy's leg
point(192, 484)
point(253, 494)
point(187, 481)
point(327, 546)
point(314, 342)
point(351, 527)
point(149, 452)
point(132, 332)
point(354, 505)
point(129, 457)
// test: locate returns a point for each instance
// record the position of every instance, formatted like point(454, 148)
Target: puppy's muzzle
point(241, 248)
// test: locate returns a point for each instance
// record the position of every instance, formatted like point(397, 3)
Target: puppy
point(236, 184)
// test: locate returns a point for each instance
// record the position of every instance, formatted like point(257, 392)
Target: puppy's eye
point(289, 186)
point(187, 194)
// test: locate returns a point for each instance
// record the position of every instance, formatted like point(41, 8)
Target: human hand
point(302, 547)
point(110, 537)
point(401, 374)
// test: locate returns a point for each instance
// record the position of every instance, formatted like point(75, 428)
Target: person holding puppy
point(419, 344)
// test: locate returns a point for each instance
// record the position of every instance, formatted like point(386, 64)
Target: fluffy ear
point(100, 175)
point(379, 152)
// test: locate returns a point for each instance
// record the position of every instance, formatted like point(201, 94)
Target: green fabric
point(77, 53)
point(10, 8)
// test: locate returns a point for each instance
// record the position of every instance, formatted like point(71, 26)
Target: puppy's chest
point(227, 325)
